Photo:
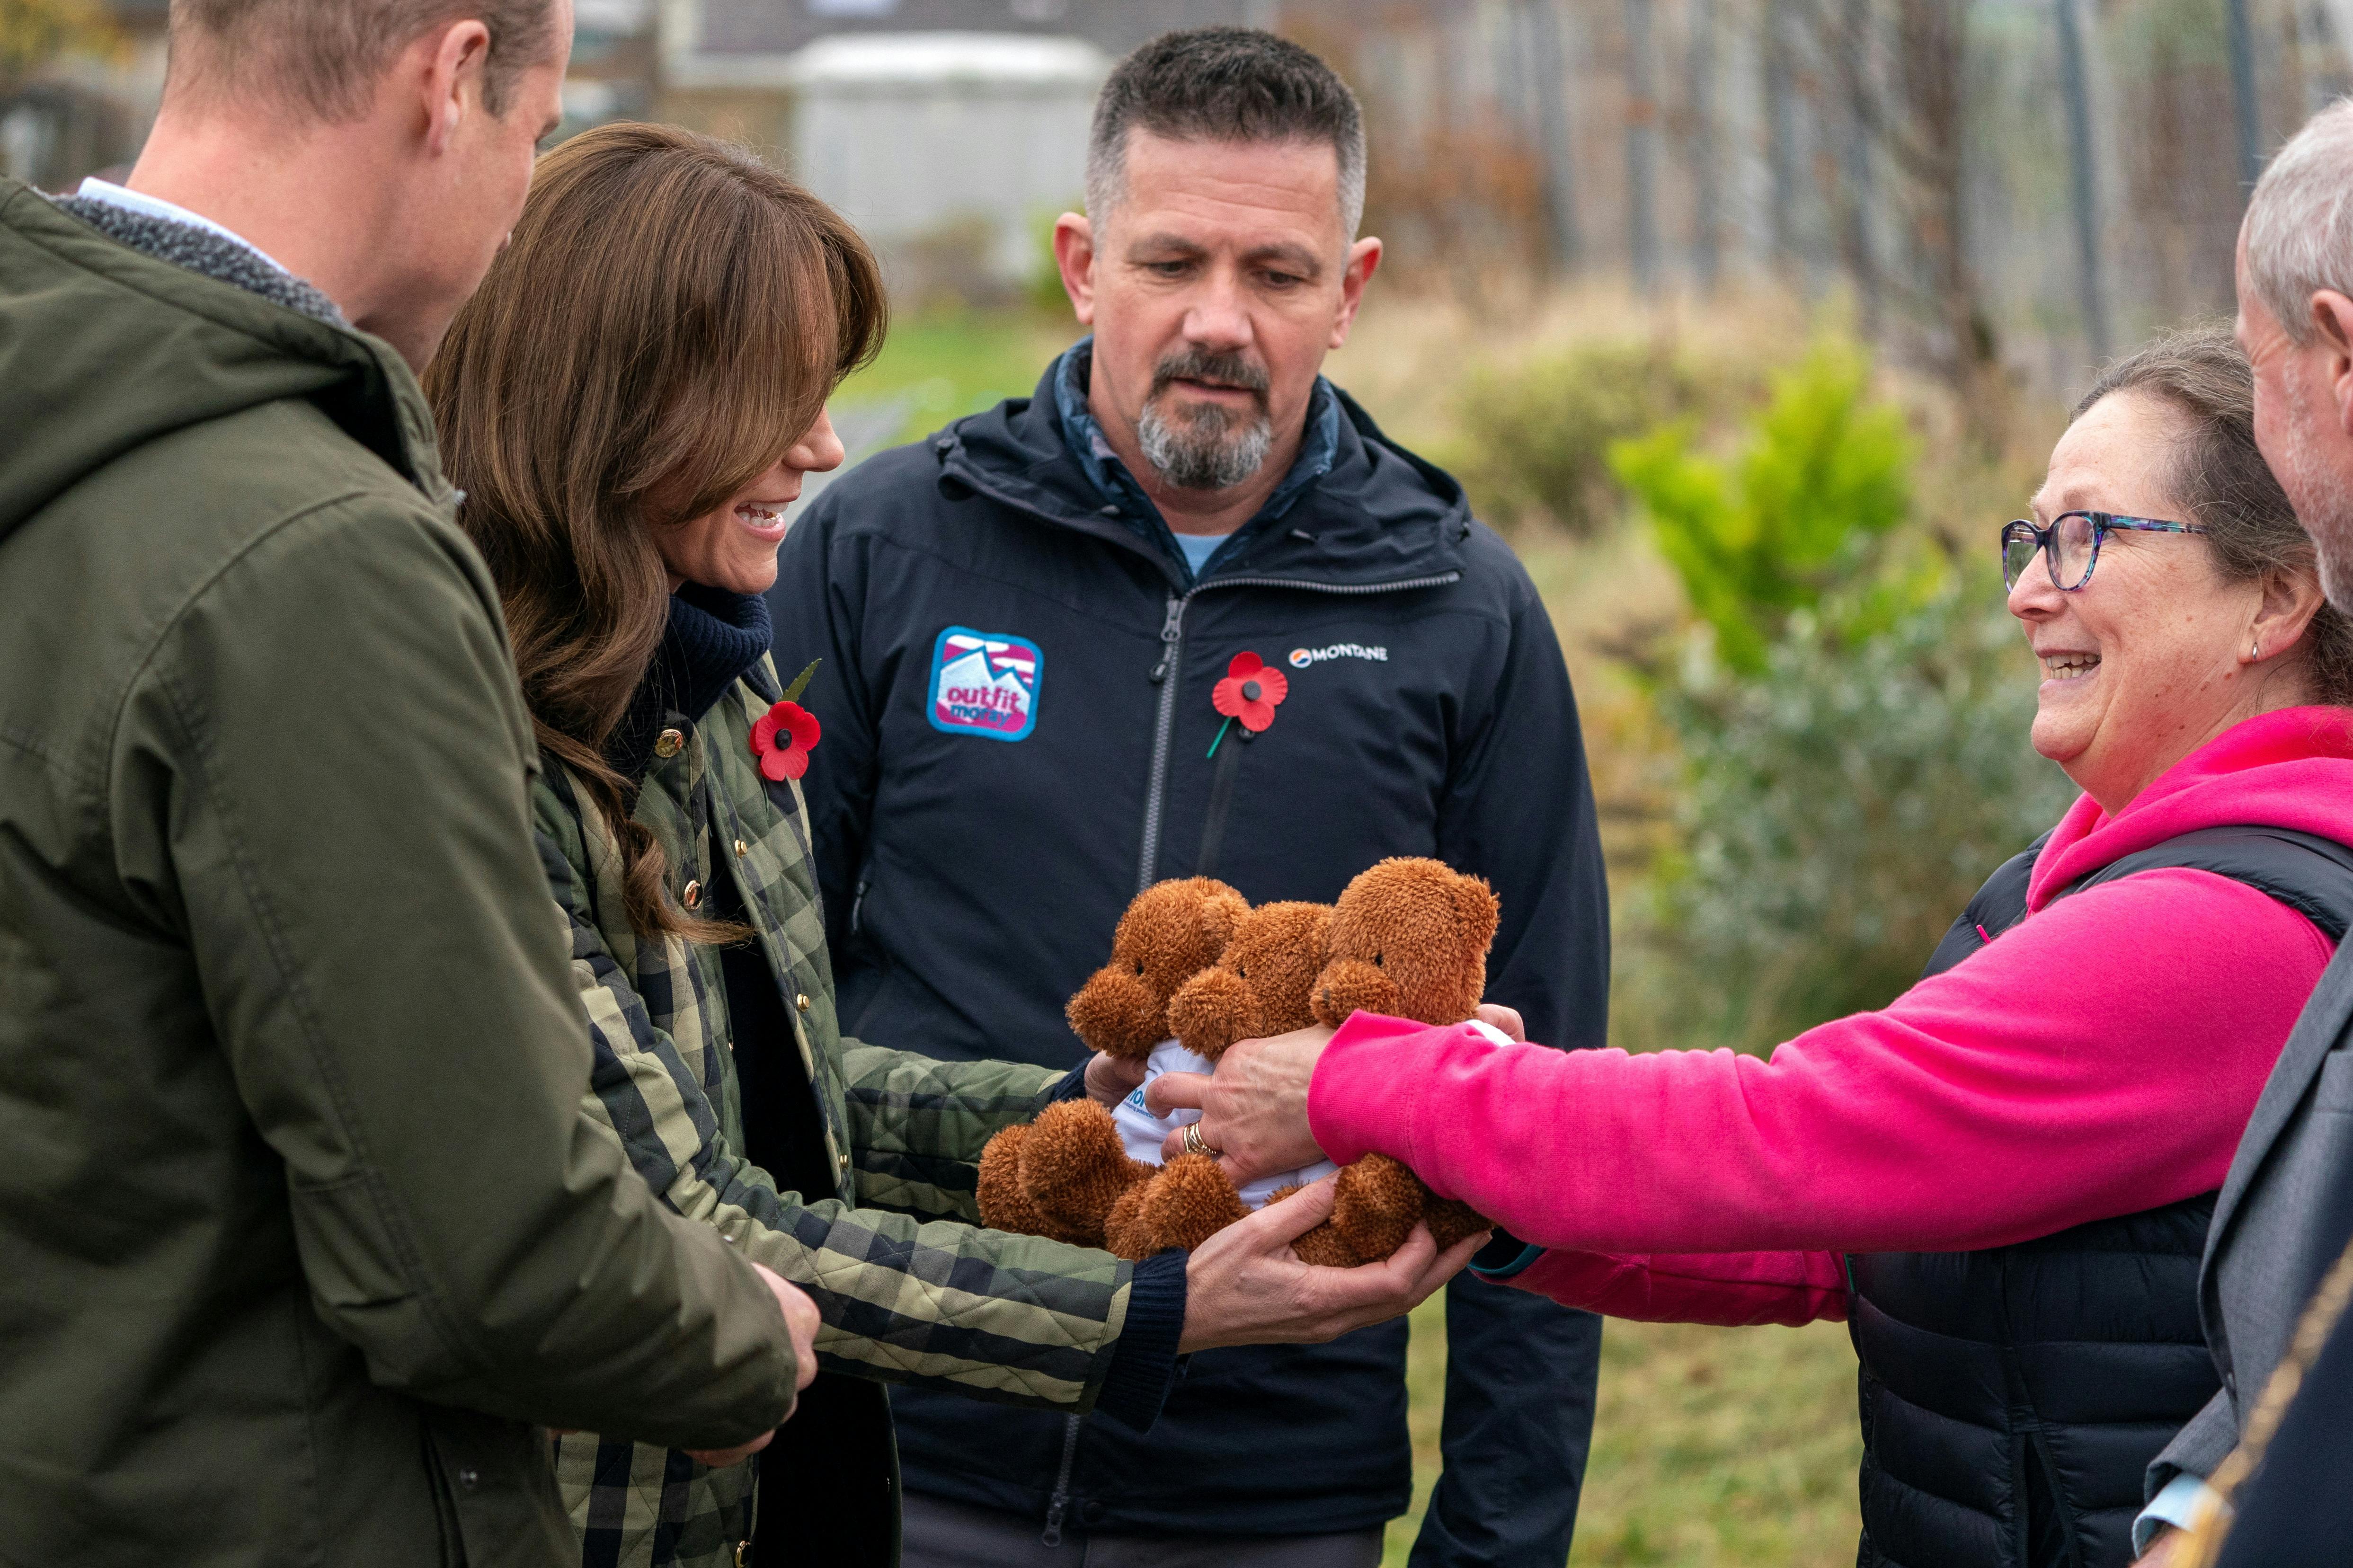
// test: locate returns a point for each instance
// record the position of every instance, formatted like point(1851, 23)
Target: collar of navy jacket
point(1380, 515)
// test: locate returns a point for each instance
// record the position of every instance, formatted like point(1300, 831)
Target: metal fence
point(2019, 185)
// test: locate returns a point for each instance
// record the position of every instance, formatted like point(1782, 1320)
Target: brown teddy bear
point(1061, 1175)
point(1408, 938)
point(1260, 986)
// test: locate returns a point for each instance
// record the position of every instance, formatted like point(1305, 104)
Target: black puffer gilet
point(2012, 1398)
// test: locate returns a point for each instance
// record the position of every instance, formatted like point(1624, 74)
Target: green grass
point(947, 365)
point(1712, 1448)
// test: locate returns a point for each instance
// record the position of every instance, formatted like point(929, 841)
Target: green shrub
point(1535, 437)
point(1842, 807)
point(1825, 477)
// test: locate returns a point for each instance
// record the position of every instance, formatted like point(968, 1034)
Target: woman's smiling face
point(733, 546)
point(2148, 660)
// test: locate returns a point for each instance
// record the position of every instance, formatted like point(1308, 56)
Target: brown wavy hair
point(668, 320)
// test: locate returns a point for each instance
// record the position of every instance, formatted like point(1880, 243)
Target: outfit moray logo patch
point(985, 683)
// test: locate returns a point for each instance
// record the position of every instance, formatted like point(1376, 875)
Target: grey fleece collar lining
point(203, 252)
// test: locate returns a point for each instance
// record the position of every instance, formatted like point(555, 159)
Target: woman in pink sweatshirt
point(2003, 1176)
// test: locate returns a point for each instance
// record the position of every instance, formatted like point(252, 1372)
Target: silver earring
point(2255, 653)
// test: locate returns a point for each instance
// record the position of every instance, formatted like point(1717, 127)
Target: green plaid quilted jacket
point(909, 1289)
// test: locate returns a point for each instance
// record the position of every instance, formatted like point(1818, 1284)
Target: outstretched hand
point(1244, 1286)
point(1253, 1107)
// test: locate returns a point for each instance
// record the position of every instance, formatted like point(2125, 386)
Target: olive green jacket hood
point(303, 1233)
point(179, 349)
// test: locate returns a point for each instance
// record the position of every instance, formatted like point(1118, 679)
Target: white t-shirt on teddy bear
point(1142, 1133)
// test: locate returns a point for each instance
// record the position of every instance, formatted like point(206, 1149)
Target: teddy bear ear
point(1221, 915)
point(1475, 903)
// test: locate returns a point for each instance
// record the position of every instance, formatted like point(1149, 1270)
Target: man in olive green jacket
point(301, 1227)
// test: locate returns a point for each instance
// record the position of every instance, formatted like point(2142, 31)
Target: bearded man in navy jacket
point(1022, 623)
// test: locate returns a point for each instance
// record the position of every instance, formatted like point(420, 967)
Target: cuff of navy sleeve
point(1504, 1257)
point(1143, 1363)
point(1072, 1088)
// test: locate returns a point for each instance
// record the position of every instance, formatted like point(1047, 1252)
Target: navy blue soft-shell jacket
point(1016, 696)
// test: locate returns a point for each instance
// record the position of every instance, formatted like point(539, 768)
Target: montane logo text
point(1301, 658)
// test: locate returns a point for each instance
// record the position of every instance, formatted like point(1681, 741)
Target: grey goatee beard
point(1208, 447)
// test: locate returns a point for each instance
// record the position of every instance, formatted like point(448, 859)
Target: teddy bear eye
point(1377, 960)
point(1241, 972)
point(1139, 968)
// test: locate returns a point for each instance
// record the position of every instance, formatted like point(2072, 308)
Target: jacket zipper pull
point(1169, 633)
point(1060, 1501)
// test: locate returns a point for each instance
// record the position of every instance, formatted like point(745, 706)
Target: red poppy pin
point(1251, 692)
point(783, 737)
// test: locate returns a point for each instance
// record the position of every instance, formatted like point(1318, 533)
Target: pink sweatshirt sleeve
point(1734, 1290)
point(2100, 1058)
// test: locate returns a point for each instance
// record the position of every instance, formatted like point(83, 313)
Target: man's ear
point(447, 67)
point(1364, 260)
point(2332, 319)
point(1074, 257)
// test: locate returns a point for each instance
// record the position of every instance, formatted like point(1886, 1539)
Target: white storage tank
point(912, 134)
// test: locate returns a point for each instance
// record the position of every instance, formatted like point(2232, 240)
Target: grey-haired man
point(2286, 1207)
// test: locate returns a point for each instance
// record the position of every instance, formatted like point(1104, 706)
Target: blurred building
point(90, 111)
point(950, 131)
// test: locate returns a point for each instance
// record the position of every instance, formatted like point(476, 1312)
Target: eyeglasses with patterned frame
point(2070, 547)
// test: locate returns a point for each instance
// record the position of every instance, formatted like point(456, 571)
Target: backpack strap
point(2309, 874)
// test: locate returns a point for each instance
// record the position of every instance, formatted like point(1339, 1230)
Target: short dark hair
point(1225, 84)
point(320, 58)
point(2221, 477)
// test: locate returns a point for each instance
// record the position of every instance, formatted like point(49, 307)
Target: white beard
point(2321, 499)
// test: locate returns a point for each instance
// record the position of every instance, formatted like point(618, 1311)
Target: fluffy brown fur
point(1064, 1175)
point(1060, 1176)
point(1408, 938)
point(1262, 985)
point(1171, 932)
point(1188, 1201)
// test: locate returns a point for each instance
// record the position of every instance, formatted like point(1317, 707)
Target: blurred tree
point(35, 32)
point(1841, 807)
point(1538, 433)
point(1825, 477)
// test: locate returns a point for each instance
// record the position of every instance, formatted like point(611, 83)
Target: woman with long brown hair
point(630, 403)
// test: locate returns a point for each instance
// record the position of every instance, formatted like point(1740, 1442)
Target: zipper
point(1061, 1503)
point(1164, 674)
